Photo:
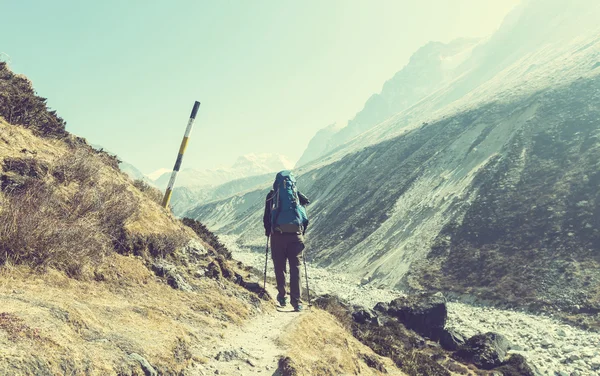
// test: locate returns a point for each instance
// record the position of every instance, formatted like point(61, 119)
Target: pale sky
point(269, 74)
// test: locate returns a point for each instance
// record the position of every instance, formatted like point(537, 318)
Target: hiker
point(286, 222)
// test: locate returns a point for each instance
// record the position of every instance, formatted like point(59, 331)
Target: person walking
point(285, 222)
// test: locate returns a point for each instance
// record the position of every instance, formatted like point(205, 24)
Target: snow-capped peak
point(263, 162)
point(158, 173)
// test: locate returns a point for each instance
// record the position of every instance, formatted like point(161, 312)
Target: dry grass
point(319, 345)
point(65, 206)
point(52, 324)
point(65, 211)
point(152, 193)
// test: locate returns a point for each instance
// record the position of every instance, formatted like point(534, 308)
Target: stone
point(517, 365)
point(451, 340)
point(287, 367)
point(486, 351)
point(146, 366)
point(195, 250)
point(167, 270)
point(227, 355)
point(363, 316)
point(381, 307)
point(426, 313)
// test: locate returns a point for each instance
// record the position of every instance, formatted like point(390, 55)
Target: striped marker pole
point(182, 148)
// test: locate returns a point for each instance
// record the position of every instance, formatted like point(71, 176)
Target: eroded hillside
point(511, 185)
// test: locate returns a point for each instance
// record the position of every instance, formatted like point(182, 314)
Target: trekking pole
point(266, 261)
point(306, 277)
point(184, 142)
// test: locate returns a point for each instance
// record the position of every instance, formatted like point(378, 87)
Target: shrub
point(39, 230)
point(43, 226)
point(153, 193)
point(208, 236)
point(20, 105)
point(79, 166)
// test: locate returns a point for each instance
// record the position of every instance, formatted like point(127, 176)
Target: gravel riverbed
point(553, 347)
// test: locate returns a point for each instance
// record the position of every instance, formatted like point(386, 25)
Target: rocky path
point(252, 349)
point(551, 346)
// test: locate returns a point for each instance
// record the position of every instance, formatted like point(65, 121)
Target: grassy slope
point(78, 243)
point(51, 323)
point(319, 345)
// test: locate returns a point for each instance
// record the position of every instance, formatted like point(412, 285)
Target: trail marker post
point(182, 148)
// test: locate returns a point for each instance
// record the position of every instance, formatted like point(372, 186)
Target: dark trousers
point(287, 247)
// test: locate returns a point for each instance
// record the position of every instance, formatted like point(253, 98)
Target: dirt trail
point(252, 349)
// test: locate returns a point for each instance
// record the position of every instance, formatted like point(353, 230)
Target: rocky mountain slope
point(185, 198)
point(428, 69)
point(488, 186)
point(531, 50)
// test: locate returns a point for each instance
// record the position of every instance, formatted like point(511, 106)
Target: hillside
point(186, 198)
point(97, 278)
point(486, 187)
point(539, 45)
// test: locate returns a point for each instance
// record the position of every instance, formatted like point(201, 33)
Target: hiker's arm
point(267, 214)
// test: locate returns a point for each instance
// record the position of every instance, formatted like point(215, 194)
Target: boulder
point(330, 303)
point(486, 351)
point(381, 307)
point(167, 270)
point(516, 365)
point(287, 367)
point(364, 316)
point(426, 313)
point(451, 340)
point(194, 250)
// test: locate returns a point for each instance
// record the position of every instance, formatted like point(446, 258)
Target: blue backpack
point(287, 215)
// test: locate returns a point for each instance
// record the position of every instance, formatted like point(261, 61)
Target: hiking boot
point(282, 301)
point(298, 307)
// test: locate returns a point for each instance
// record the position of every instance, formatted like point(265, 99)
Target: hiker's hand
point(267, 233)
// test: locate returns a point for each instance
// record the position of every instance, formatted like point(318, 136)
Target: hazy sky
point(125, 73)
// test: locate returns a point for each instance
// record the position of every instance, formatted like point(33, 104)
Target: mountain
point(488, 186)
point(185, 198)
point(244, 166)
point(524, 54)
point(201, 186)
point(158, 173)
point(428, 69)
point(132, 171)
